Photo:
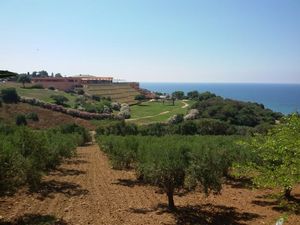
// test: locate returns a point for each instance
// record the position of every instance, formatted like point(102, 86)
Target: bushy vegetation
point(175, 162)
point(9, 95)
point(26, 154)
point(59, 99)
point(74, 128)
point(175, 126)
point(21, 120)
point(235, 112)
point(32, 116)
point(277, 162)
point(36, 86)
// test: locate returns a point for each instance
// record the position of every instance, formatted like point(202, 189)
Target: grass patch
point(150, 112)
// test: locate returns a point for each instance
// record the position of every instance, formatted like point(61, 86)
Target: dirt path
point(185, 105)
point(85, 190)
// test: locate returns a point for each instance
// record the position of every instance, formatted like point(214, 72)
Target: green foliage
point(196, 127)
point(25, 154)
point(140, 97)
point(205, 95)
point(6, 74)
point(175, 162)
point(193, 95)
point(178, 118)
point(117, 128)
point(23, 78)
point(9, 95)
point(21, 120)
point(32, 116)
point(59, 99)
point(36, 86)
point(234, 112)
point(51, 88)
point(277, 158)
point(76, 129)
point(178, 95)
point(80, 91)
point(96, 98)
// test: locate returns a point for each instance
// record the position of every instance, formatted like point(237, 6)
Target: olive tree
point(164, 165)
point(24, 78)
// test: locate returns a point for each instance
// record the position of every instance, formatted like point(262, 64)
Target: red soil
point(85, 190)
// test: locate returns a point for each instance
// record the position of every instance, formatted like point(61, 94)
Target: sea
point(284, 98)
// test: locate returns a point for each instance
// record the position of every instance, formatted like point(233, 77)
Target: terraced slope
point(119, 92)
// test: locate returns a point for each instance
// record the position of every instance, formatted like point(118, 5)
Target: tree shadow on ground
point(35, 219)
point(207, 214)
point(140, 182)
point(278, 203)
point(75, 161)
point(67, 172)
point(48, 188)
point(129, 182)
point(241, 182)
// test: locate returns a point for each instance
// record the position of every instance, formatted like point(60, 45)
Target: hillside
point(47, 118)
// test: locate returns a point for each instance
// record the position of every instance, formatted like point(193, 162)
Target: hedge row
point(196, 127)
point(71, 112)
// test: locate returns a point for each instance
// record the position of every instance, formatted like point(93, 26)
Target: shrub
point(32, 116)
point(36, 86)
point(80, 91)
point(74, 128)
point(178, 118)
point(21, 120)
point(117, 128)
point(124, 111)
point(277, 161)
point(59, 99)
point(140, 97)
point(96, 98)
point(51, 88)
point(154, 129)
point(116, 106)
point(9, 95)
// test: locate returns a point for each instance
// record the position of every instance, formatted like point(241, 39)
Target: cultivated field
point(85, 190)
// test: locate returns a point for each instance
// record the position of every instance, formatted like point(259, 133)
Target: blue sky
point(154, 40)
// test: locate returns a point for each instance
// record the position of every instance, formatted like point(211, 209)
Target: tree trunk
point(170, 194)
point(23, 84)
point(287, 193)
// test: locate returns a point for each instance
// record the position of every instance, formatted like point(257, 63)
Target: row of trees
point(174, 162)
point(195, 127)
point(26, 154)
point(193, 95)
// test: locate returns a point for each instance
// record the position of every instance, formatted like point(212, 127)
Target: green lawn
point(149, 112)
